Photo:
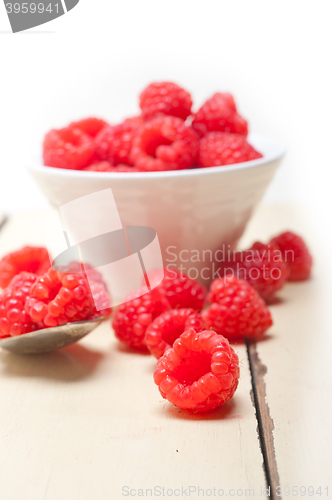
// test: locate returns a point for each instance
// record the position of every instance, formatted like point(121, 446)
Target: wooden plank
point(298, 361)
point(86, 421)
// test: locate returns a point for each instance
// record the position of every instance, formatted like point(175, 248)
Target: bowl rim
point(279, 146)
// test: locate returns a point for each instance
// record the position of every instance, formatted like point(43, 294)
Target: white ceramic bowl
point(192, 211)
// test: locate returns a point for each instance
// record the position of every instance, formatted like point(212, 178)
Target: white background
point(275, 57)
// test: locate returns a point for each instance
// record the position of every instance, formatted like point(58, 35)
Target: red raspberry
point(13, 318)
point(262, 267)
point(237, 310)
point(296, 255)
point(165, 98)
point(114, 143)
point(132, 318)
point(219, 114)
point(199, 373)
point(105, 166)
point(68, 148)
point(217, 148)
point(166, 328)
point(165, 143)
point(181, 291)
point(90, 126)
point(30, 259)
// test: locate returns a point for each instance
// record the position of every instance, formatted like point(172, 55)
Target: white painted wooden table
point(87, 422)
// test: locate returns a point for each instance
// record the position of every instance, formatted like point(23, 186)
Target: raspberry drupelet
point(200, 372)
point(295, 254)
point(59, 298)
point(237, 311)
point(132, 318)
point(90, 126)
point(262, 267)
point(218, 148)
point(164, 143)
point(166, 328)
point(69, 148)
point(182, 291)
point(219, 114)
point(105, 166)
point(31, 259)
point(165, 98)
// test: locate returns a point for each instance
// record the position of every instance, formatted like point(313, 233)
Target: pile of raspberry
point(42, 299)
point(189, 329)
point(167, 135)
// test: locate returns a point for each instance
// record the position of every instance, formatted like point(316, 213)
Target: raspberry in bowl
point(193, 176)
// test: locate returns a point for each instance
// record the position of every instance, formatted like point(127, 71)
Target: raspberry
point(114, 143)
point(296, 255)
point(105, 166)
point(90, 126)
point(262, 267)
point(181, 291)
point(30, 259)
point(217, 148)
point(165, 143)
point(68, 148)
point(200, 372)
point(13, 318)
point(219, 114)
point(166, 328)
point(237, 309)
point(165, 98)
point(132, 318)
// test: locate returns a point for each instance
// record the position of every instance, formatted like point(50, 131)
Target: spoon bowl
point(49, 339)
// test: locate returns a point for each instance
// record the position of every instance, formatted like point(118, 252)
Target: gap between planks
point(265, 424)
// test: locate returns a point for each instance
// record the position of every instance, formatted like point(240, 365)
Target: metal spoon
point(49, 339)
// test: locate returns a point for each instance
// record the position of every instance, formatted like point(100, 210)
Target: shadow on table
point(224, 412)
point(69, 364)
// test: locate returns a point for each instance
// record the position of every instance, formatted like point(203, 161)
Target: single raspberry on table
point(165, 98)
point(219, 114)
point(180, 290)
point(166, 328)
point(68, 148)
point(30, 259)
point(132, 318)
point(200, 372)
point(218, 148)
point(262, 267)
point(295, 254)
point(164, 143)
point(114, 143)
point(237, 310)
point(90, 126)
point(13, 318)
